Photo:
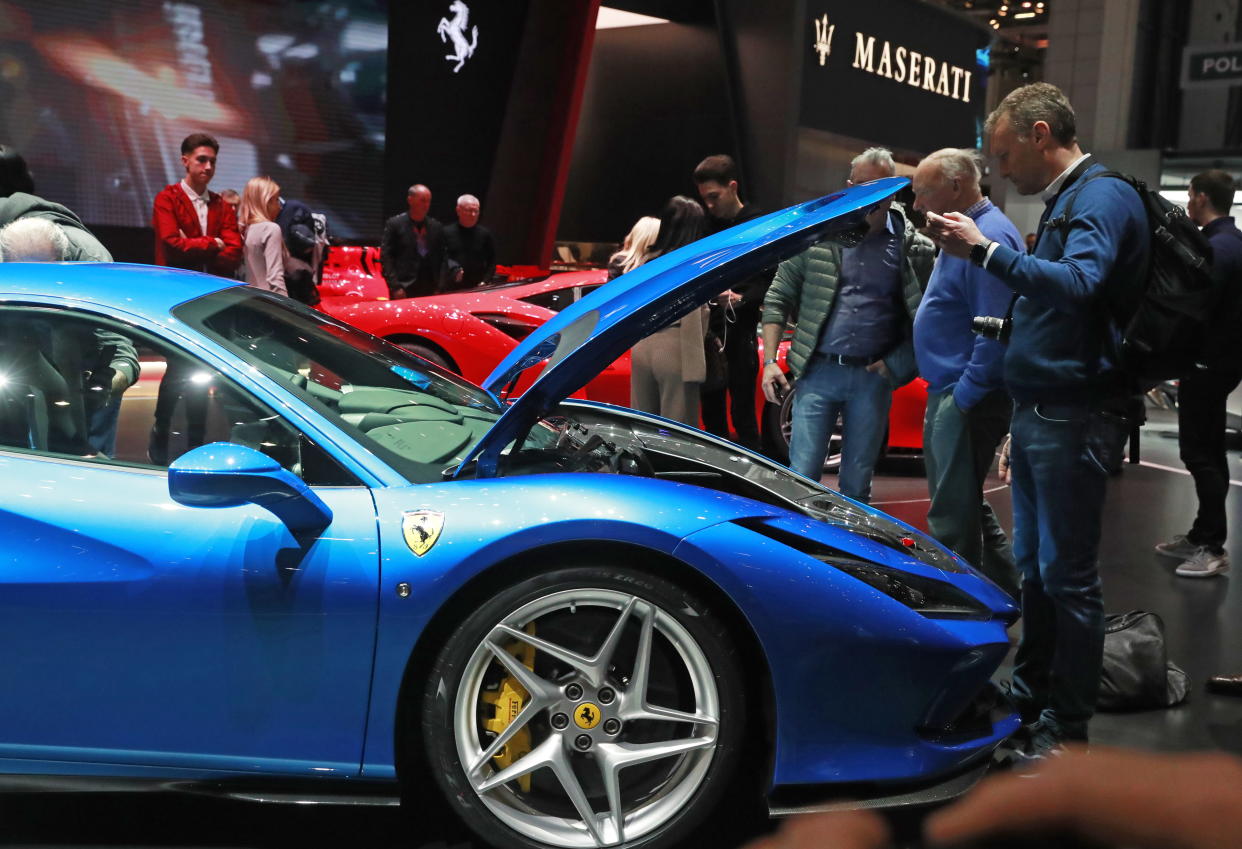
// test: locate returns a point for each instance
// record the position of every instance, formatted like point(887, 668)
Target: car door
point(140, 632)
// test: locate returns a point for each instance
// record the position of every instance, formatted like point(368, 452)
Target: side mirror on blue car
point(222, 474)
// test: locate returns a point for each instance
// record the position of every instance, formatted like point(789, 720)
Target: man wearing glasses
point(194, 227)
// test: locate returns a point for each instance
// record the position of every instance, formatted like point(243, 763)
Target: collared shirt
point(200, 205)
point(866, 310)
point(1055, 186)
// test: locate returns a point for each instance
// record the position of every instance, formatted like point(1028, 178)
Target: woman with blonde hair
point(263, 245)
point(635, 247)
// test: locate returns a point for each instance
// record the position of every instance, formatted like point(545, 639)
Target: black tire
point(431, 354)
point(777, 425)
point(693, 668)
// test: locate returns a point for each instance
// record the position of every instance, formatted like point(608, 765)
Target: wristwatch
point(769, 360)
point(978, 253)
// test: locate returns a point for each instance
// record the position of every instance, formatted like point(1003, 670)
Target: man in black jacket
point(735, 317)
point(1202, 394)
point(413, 251)
point(470, 245)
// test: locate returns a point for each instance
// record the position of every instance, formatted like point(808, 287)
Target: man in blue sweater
point(968, 410)
point(1058, 372)
point(1202, 393)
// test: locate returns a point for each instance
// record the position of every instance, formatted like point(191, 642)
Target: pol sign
point(1212, 66)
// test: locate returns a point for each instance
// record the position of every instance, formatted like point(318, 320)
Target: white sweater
point(264, 252)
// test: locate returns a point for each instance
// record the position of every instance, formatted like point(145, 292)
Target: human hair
point(468, 199)
point(879, 156)
point(194, 141)
point(256, 196)
point(681, 223)
point(1036, 102)
point(1218, 186)
point(14, 174)
point(414, 189)
point(719, 168)
point(637, 242)
point(957, 163)
point(230, 196)
point(33, 240)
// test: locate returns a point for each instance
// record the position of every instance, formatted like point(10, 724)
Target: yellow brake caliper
point(507, 702)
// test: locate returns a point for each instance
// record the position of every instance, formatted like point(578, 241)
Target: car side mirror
point(223, 474)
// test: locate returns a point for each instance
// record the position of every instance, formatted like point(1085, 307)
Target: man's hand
point(728, 296)
point(219, 243)
point(955, 233)
point(878, 367)
point(1002, 465)
point(775, 386)
point(119, 383)
point(1120, 798)
point(838, 830)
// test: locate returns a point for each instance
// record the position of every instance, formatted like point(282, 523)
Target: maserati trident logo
point(454, 29)
point(823, 38)
point(421, 529)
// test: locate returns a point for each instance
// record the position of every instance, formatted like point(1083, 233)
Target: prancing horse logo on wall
point(455, 28)
point(421, 529)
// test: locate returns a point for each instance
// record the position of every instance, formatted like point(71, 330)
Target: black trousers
point(1201, 400)
point(737, 399)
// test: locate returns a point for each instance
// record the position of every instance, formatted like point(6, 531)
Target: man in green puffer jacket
point(853, 341)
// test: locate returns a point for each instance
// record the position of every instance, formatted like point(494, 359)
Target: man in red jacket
point(194, 227)
point(197, 230)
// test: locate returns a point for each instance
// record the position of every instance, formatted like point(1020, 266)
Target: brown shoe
point(1225, 685)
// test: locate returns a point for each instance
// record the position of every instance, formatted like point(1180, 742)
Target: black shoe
point(1225, 685)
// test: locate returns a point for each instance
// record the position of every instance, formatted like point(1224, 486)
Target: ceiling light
point(609, 18)
point(1022, 15)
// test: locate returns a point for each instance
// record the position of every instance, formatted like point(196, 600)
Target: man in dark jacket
point(470, 245)
point(735, 316)
point(853, 340)
point(1202, 394)
point(297, 227)
point(1057, 371)
point(413, 252)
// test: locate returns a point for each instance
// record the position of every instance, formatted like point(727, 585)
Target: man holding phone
point(852, 342)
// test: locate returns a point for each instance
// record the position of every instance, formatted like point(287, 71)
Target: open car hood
point(588, 335)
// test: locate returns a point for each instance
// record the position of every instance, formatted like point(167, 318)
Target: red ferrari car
point(470, 331)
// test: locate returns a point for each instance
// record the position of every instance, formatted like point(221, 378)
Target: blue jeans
point(1058, 502)
point(862, 399)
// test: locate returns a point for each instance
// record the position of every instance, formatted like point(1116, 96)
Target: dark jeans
point(1058, 500)
point(742, 355)
point(1201, 400)
point(958, 449)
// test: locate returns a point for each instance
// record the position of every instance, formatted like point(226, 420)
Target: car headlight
point(926, 596)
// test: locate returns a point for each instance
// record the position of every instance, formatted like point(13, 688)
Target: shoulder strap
point(1063, 219)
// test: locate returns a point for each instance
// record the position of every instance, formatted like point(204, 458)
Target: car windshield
point(417, 417)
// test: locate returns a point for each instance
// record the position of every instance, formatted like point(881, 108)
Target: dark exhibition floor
point(1147, 503)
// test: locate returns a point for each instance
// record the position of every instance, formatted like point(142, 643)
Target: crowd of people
point(864, 320)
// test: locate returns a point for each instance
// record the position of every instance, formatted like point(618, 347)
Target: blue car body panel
point(147, 638)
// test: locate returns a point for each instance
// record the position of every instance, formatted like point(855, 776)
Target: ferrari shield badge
point(421, 529)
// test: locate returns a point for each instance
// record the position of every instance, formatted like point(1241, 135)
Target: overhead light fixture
point(610, 18)
point(1022, 15)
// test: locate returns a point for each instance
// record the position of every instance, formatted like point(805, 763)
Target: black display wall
point(656, 103)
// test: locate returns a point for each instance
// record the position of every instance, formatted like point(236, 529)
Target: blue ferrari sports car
point(245, 546)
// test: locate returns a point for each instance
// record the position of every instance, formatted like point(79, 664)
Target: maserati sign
point(903, 73)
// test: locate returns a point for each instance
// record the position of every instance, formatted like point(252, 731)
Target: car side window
point(85, 387)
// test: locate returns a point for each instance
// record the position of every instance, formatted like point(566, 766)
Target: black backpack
point(1164, 320)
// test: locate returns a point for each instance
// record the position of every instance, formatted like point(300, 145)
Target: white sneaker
point(1178, 547)
point(1204, 564)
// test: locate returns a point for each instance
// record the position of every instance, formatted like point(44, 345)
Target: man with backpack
point(1058, 371)
point(1203, 390)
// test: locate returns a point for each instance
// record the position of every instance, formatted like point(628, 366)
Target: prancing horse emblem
point(421, 529)
point(455, 30)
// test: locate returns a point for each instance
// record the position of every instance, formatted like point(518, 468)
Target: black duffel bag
point(1137, 671)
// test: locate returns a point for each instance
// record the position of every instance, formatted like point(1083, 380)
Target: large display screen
point(98, 95)
point(898, 72)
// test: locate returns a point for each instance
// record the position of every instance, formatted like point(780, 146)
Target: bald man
point(968, 410)
point(413, 251)
point(470, 245)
